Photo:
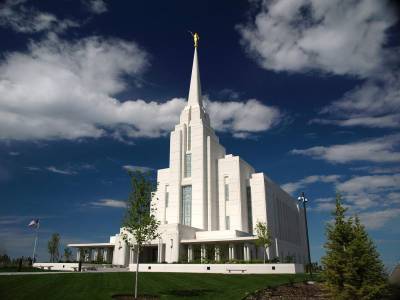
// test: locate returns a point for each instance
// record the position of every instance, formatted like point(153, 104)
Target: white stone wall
point(222, 268)
point(283, 216)
point(121, 251)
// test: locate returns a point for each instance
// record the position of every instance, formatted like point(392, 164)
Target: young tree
point(140, 224)
point(53, 245)
point(67, 254)
point(263, 236)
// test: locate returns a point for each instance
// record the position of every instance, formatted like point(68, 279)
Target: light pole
point(304, 200)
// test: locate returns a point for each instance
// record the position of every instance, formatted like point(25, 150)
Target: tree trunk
point(137, 270)
point(265, 250)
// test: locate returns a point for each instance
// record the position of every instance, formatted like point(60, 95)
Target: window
point(166, 195)
point(249, 210)
point(227, 223)
point(187, 205)
point(226, 188)
point(188, 165)
point(189, 138)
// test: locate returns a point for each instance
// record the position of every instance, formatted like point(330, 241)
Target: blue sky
point(305, 91)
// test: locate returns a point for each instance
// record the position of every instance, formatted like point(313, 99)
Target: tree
point(366, 278)
point(352, 269)
point(67, 254)
point(339, 234)
point(140, 224)
point(52, 246)
point(263, 236)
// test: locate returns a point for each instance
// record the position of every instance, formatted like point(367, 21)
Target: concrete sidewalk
point(100, 270)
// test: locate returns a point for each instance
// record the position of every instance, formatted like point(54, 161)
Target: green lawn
point(165, 285)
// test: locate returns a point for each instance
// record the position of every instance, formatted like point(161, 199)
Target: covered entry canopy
point(89, 252)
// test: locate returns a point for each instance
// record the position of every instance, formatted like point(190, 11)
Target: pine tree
point(352, 268)
point(365, 278)
point(339, 236)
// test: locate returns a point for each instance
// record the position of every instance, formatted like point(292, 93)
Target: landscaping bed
point(294, 291)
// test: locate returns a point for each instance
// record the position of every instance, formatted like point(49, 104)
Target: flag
point(34, 223)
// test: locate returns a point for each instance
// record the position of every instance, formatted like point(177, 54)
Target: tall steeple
point(195, 87)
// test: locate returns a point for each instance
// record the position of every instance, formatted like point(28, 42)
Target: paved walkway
point(100, 270)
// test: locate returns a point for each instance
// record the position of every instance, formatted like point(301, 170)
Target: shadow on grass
point(189, 293)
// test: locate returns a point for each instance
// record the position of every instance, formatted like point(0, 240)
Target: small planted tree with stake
point(140, 224)
point(263, 237)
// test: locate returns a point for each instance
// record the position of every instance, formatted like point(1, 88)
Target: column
point(105, 255)
point(190, 253)
point(78, 254)
point(246, 252)
point(132, 255)
point(159, 251)
point(217, 253)
point(203, 253)
point(95, 253)
point(89, 258)
point(232, 252)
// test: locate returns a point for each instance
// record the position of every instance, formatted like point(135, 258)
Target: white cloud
point(65, 90)
point(242, 118)
point(229, 94)
point(339, 37)
point(364, 192)
point(14, 153)
point(376, 103)
point(136, 168)
point(109, 203)
point(32, 168)
point(323, 204)
point(373, 150)
point(96, 6)
point(378, 219)
point(71, 169)
point(370, 184)
point(378, 170)
point(61, 171)
point(21, 18)
point(292, 187)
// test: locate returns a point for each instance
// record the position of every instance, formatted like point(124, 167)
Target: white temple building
point(208, 202)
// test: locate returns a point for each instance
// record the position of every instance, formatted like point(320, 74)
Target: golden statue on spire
point(196, 38)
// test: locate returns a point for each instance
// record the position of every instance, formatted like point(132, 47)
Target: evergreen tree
point(339, 235)
point(352, 268)
point(366, 278)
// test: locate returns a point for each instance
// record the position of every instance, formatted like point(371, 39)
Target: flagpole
point(36, 240)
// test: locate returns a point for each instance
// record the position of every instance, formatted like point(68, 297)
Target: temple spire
point(195, 87)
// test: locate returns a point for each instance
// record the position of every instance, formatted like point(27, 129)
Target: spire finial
point(196, 38)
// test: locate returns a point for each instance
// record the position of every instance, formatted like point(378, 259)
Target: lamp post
point(304, 200)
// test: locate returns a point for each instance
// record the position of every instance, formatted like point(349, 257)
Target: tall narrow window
point(188, 165)
point(187, 205)
point(226, 188)
point(166, 195)
point(189, 138)
point(249, 210)
point(227, 223)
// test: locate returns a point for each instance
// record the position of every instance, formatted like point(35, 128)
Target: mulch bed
point(131, 297)
point(295, 291)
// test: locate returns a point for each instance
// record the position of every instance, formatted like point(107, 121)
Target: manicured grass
point(165, 285)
